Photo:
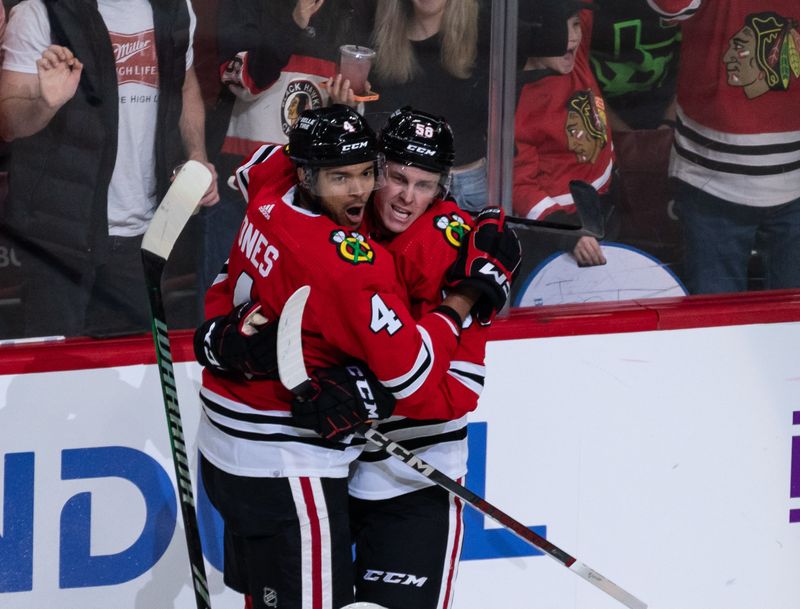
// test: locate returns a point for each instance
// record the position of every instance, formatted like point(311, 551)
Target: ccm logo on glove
point(364, 390)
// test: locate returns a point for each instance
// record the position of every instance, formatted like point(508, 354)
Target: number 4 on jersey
point(383, 318)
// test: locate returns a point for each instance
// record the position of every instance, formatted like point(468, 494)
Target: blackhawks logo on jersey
point(453, 228)
point(352, 247)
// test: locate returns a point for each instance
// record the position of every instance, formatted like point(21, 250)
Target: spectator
point(736, 155)
point(86, 174)
point(435, 55)
point(634, 57)
point(561, 131)
point(274, 60)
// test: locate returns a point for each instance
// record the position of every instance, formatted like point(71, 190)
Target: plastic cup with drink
point(355, 62)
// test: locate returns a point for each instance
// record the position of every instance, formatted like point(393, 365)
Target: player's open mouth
point(355, 213)
point(401, 214)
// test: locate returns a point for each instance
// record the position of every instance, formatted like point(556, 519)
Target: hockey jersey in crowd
point(274, 68)
point(560, 134)
point(738, 134)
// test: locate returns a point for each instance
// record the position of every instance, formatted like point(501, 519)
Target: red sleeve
point(461, 385)
point(268, 166)
point(425, 252)
point(527, 189)
point(409, 357)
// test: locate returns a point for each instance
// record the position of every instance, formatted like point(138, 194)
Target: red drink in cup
point(354, 64)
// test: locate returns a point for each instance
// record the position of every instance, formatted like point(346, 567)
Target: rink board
point(669, 461)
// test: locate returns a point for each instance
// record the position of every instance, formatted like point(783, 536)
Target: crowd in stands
point(682, 114)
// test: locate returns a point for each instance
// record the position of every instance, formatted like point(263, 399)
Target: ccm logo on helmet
point(420, 150)
point(354, 146)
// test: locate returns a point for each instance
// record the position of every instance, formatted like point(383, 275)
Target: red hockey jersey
point(357, 308)
point(560, 134)
point(738, 133)
point(422, 255)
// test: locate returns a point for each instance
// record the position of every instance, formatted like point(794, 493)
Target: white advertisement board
point(668, 461)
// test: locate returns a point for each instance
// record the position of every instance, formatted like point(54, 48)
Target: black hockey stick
point(293, 375)
point(166, 226)
point(589, 214)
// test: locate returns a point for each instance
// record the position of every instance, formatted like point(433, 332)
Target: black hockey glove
point(240, 343)
point(344, 401)
point(487, 260)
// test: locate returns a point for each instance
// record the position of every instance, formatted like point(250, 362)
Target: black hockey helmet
point(418, 139)
point(334, 136)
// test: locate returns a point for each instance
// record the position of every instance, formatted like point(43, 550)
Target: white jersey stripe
point(315, 540)
point(730, 170)
point(243, 172)
point(408, 383)
point(474, 386)
point(566, 199)
point(455, 537)
point(306, 544)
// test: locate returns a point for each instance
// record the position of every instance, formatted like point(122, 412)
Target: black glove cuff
point(451, 313)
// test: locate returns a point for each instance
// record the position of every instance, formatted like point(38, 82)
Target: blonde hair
point(395, 61)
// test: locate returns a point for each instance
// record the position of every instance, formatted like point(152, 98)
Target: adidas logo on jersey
point(266, 210)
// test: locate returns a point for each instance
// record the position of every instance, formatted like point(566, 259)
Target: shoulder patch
point(352, 247)
point(452, 227)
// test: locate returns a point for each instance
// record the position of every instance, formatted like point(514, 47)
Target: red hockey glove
point(242, 342)
point(487, 260)
point(345, 400)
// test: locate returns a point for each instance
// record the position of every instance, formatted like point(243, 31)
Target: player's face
point(408, 192)
point(565, 63)
point(344, 192)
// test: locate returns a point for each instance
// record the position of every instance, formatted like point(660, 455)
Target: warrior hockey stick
point(166, 226)
point(294, 377)
point(589, 213)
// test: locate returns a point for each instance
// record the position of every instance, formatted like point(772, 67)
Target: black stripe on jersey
point(408, 424)
point(477, 378)
point(423, 367)
point(762, 149)
point(735, 168)
point(414, 443)
point(282, 437)
point(259, 156)
point(247, 416)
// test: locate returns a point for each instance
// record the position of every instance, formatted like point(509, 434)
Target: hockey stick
point(293, 375)
point(589, 213)
point(169, 220)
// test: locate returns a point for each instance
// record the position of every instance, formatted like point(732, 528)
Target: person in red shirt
point(736, 155)
point(561, 132)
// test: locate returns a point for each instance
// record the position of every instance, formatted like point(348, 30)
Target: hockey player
point(401, 522)
point(281, 489)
